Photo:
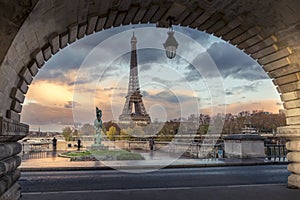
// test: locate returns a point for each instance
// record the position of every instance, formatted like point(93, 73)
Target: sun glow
point(49, 93)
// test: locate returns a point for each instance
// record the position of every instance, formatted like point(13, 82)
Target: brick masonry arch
point(268, 31)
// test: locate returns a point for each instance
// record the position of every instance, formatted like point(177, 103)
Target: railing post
point(284, 152)
point(268, 152)
point(198, 149)
point(279, 151)
point(274, 152)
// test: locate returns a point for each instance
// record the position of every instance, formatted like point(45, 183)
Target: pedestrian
point(151, 143)
point(54, 143)
point(78, 144)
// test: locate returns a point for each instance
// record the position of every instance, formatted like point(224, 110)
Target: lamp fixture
point(171, 44)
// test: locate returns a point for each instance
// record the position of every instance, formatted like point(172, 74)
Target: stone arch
point(271, 49)
point(267, 31)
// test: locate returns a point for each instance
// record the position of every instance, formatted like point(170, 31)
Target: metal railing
point(276, 152)
point(38, 154)
point(36, 150)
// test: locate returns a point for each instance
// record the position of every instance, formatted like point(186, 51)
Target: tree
point(67, 133)
point(111, 133)
point(124, 134)
point(202, 130)
point(107, 125)
point(87, 129)
point(261, 120)
point(75, 134)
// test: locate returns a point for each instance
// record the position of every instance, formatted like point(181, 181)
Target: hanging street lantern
point(171, 44)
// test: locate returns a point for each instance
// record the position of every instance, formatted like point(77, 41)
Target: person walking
point(151, 144)
point(54, 143)
point(78, 144)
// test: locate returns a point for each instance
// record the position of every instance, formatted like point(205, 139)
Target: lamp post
point(171, 44)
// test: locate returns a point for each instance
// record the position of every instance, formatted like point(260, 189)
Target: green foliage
point(67, 133)
point(77, 153)
point(107, 125)
point(111, 133)
point(203, 129)
point(119, 154)
point(124, 134)
point(106, 152)
point(70, 134)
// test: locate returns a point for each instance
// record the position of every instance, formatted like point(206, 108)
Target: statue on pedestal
point(98, 126)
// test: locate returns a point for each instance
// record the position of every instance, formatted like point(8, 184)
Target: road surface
point(161, 184)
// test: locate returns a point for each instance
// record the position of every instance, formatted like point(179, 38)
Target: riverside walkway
point(153, 160)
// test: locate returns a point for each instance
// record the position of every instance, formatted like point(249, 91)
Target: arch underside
point(268, 31)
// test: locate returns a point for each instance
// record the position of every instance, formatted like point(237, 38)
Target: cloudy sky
point(208, 75)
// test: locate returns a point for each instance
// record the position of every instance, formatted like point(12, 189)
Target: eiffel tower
point(134, 109)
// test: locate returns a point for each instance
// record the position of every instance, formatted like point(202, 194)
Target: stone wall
point(10, 133)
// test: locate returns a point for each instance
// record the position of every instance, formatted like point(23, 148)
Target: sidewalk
point(154, 160)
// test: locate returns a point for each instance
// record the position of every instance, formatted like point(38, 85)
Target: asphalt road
point(58, 181)
point(262, 182)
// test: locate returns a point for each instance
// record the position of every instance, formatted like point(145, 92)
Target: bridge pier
point(10, 133)
point(292, 133)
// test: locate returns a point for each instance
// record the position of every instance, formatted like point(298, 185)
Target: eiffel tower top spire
point(134, 77)
point(133, 39)
point(134, 109)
